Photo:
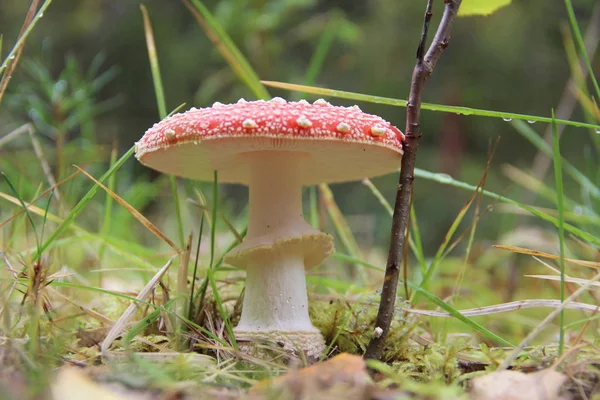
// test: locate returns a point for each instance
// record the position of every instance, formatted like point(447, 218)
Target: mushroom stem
point(275, 204)
point(275, 253)
point(275, 297)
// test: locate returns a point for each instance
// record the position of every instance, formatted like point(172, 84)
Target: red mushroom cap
point(340, 143)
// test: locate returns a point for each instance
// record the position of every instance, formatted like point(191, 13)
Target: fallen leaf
point(74, 384)
point(515, 385)
point(342, 377)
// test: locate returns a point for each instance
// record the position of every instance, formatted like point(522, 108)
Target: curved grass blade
point(144, 323)
point(82, 203)
point(425, 106)
point(18, 196)
point(135, 213)
point(108, 205)
point(581, 45)
point(154, 66)
point(194, 273)
point(318, 58)
point(227, 48)
point(541, 254)
point(46, 214)
point(119, 247)
point(561, 229)
point(162, 109)
point(528, 133)
point(213, 227)
point(448, 180)
point(26, 33)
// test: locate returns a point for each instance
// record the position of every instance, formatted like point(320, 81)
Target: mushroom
point(275, 147)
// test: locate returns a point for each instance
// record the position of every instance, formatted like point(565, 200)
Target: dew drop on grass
point(11, 57)
point(529, 121)
point(41, 15)
point(444, 178)
point(507, 119)
point(598, 131)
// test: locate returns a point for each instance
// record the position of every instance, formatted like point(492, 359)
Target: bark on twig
point(423, 69)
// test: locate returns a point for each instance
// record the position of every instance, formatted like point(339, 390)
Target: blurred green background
point(511, 61)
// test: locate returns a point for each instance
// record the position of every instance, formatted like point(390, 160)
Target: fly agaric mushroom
point(275, 147)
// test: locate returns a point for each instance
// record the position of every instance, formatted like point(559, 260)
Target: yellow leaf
point(480, 7)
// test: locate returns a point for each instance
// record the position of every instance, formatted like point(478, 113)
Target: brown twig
point(423, 69)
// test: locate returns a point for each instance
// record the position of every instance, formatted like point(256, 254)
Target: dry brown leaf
point(541, 254)
point(515, 385)
point(135, 213)
point(74, 384)
point(342, 377)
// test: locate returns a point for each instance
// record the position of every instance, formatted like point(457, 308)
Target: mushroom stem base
point(307, 345)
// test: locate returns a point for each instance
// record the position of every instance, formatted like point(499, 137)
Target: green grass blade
point(176, 109)
point(162, 110)
point(194, 273)
point(459, 316)
point(446, 246)
point(342, 229)
point(425, 106)
point(531, 183)
point(18, 196)
point(379, 196)
point(228, 49)
point(83, 202)
point(143, 324)
point(313, 202)
point(46, 209)
point(154, 65)
point(528, 133)
point(414, 240)
point(26, 33)
point(108, 205)
point(561, 230)
point(202, 291)
point(221, 308)
point(581, 45)
point(213, 227)
point(318, 58)
point(354, 260)
point(448, 180)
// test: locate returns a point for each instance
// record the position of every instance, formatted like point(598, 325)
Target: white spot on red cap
point(241, 100)
point(378, 130)
point(343, 127)
point(169, 134)
point(249, 123)
point(278, 100)
point(304, 122)
point(321, 102)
